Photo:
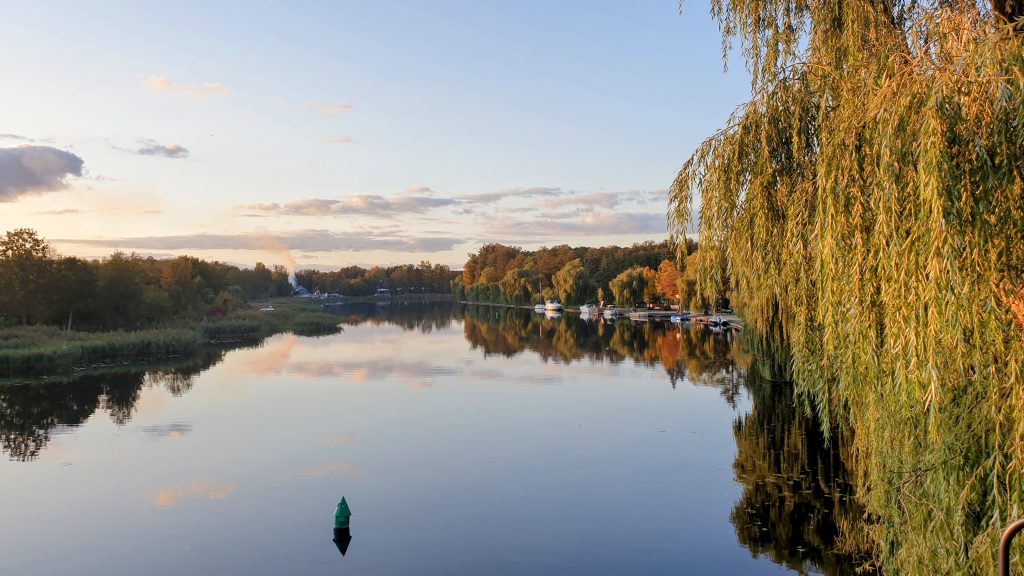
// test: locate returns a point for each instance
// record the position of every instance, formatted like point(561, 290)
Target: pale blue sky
point(199, 122)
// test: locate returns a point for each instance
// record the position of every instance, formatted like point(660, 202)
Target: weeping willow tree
point(868, 204)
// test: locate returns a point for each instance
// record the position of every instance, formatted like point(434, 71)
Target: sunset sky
point(351, 132)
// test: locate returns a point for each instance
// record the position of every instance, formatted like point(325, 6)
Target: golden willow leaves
point(868, 204)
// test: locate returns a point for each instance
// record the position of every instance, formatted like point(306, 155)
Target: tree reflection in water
point(797, 505)
point(32, 412)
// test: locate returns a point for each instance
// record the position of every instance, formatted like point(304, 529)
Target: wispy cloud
point(362, 204)
point(35, 169)
point(60, 212)
point(587, 224)
point(301, 240)
point(162, 84)
point(15, 137)
point(153, 148)
point(327, 109)
point(491, 197)
point(608, 200)
point(339, 139)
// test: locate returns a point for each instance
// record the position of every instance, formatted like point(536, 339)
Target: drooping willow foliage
point(868, 204)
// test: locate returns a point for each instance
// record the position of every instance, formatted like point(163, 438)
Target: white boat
point(613, 312)
point(718, 323)
point(553, 305)
point(588, 309)
point(679, 318)
point(267, 309)
point(538, 308)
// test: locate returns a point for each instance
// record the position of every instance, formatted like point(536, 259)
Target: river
point(466, 440)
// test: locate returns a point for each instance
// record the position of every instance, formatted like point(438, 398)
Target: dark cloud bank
point(35, 169)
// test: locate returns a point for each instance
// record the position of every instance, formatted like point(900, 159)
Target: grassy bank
point(44, 350)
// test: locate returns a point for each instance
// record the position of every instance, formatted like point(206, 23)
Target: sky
point(374, 132)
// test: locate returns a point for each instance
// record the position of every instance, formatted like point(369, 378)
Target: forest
point(644, 273)
point(127, 291)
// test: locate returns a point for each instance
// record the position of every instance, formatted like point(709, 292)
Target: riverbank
point(38, 350)
point(697, 318)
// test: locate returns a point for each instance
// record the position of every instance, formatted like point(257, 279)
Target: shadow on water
point(797, 505)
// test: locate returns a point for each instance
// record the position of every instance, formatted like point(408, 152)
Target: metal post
point(1004, 546)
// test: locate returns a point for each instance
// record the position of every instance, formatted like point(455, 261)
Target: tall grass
point(41, 349)
point(38, 349)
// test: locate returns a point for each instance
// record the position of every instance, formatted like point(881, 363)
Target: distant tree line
point(358, 281)
point(38, 286)
point(628, 276)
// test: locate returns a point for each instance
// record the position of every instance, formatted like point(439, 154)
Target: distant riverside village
point(644, 275)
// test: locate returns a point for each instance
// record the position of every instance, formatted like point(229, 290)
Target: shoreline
point(35, 351)
point(696, 317)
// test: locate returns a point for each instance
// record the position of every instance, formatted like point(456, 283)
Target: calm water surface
point(466, 440)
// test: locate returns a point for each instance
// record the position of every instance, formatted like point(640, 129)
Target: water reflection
point(686, 353)
point(424, 317)
point(31, 413)
point(797, 505)
point(342, 538)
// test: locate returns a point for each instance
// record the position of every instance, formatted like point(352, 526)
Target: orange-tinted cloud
point(169, 497)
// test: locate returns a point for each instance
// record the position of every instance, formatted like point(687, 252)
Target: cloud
point(60, 212)
point(153, 148)
point(339, 139)
point(588, 224)
point(491, 197)
point(302, 240)
point(162, 84)
point(35, 169)
point(424, 190)
point(363, 204)
point(608, 200)
point(15, 137)
point(327, 109)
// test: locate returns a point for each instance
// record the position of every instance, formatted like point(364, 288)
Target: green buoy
point(342, 534)
point(342, 514)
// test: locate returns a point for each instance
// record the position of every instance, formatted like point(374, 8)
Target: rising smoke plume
point(279, 249)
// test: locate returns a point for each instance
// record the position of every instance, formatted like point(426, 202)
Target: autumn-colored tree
point(668, 280)
point(71, 291)
point(25, 261)
point(868, 201)
point(572, 284)
point(519, 285)
point(629, 287)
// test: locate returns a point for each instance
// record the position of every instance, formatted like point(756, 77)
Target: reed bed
point(34, 350)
